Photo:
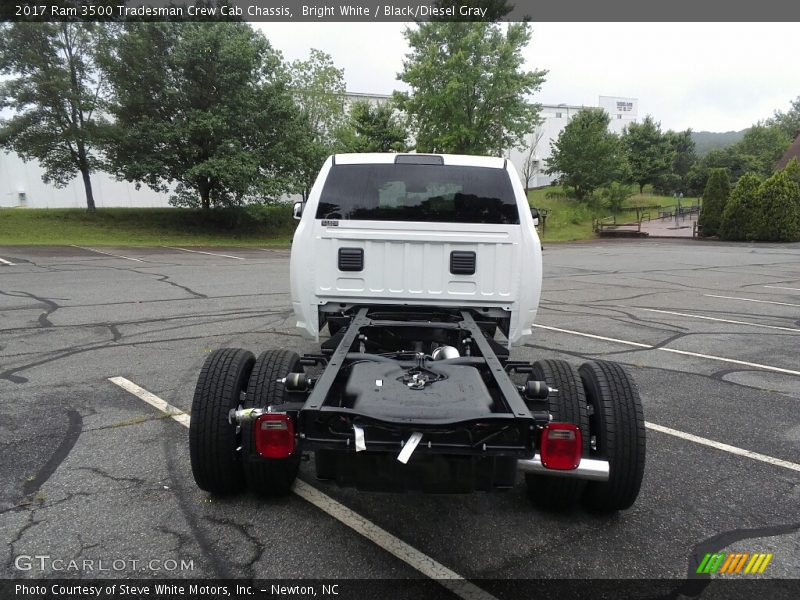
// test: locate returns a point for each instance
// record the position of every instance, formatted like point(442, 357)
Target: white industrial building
point(531, 161)
point(21, 182)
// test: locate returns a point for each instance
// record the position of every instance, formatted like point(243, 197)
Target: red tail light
point(274, 435)
point(561, 446)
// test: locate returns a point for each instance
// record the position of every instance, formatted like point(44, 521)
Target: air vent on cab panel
point(351, 259)
point(462, 262)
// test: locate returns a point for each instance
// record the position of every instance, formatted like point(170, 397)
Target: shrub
point(793, 170)
point(614, 196)
point(715, 197)
point(779, 209)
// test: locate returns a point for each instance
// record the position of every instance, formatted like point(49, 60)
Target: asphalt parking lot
point(710, 331)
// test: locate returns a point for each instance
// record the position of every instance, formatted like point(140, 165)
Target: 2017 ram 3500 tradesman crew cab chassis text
point(425, 270)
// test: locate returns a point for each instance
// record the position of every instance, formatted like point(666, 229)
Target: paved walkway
point(682, 227)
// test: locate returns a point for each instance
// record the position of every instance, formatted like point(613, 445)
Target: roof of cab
point(462, 160)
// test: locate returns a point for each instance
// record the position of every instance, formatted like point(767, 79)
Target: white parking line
point(106, 253)
point(5, 262)
point(750, 300)
point(675, 351)
point(669, 312)
point(392, 544)
point(777, 287)
point(596, 337)
point(201, 252)
point(175, 413)
point(778, 462)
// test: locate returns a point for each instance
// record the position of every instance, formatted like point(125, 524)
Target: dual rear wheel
point(603, 401)
point(223, 455)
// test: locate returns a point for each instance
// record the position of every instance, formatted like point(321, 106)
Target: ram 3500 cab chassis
point(426, 270)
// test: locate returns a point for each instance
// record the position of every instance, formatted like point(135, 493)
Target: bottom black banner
point(387, 589)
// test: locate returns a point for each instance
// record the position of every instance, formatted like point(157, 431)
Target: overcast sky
point(713, 77)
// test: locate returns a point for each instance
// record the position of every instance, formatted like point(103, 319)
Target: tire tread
point(619, 413)
point(212, 440)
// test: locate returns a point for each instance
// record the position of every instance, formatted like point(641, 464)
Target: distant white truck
point(426, 270)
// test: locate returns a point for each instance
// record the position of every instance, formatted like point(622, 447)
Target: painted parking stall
point(716, 429)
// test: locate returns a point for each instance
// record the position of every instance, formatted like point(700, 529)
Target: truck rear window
point(409, 192)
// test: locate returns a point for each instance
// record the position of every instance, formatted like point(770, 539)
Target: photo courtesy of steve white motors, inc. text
point(143, 589)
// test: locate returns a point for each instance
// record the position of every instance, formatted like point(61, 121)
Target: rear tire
point(568, 405)
point(213, 441)
point(618, 424)
point(269, 476)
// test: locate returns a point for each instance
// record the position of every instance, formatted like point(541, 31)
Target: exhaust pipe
point(589, 469)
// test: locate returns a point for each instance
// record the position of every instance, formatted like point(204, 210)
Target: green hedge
point(742, 212)
point(778, 215)
point(715, 197)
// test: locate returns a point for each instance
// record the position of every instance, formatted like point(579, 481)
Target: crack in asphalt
point(258, 545)
point(44, 318)
point(97, 471)
point(231, 313)
point(665, 327)
point(11, 374)
point(712, 376)
point(11, 556)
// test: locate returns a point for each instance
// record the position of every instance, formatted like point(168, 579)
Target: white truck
point(425, 270)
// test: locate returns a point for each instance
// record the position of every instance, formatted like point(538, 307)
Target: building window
point(619, 116)
point(558, 115)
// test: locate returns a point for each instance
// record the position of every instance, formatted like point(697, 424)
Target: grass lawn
point(253, 226)
point(264, 226)
point(570, 220)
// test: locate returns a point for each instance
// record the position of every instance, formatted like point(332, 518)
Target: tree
point(683, 153)
point(789, 121)
point(586, 154)
point(648, 152)
point(757, 152)
point(531, 163)
point(212, 115)
point(779, 209)
point(468, 90)
point(375, 129)
point(742, 212)
point(56, 94)
point(715, 197)
point(319, 92)
point(765, 145)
